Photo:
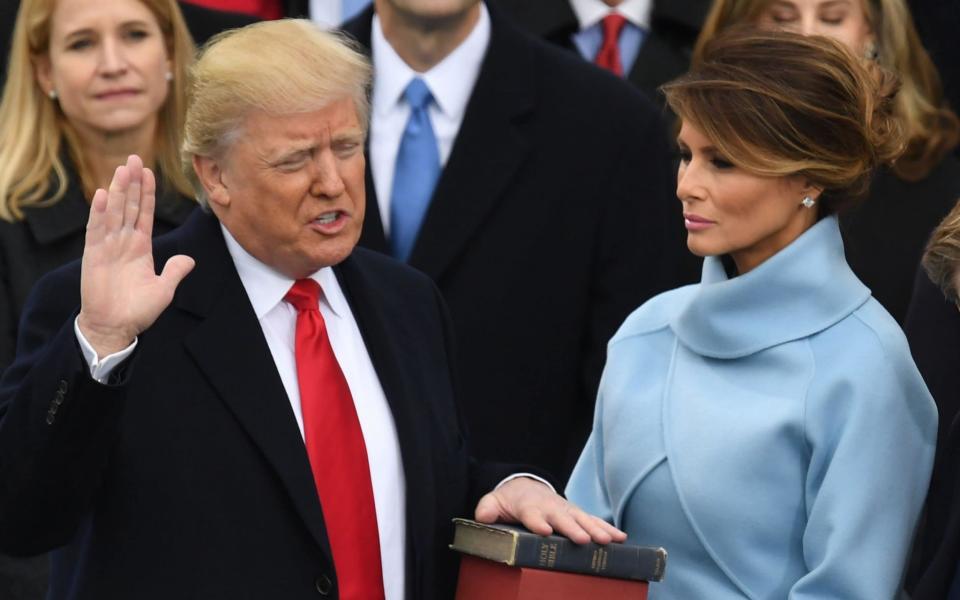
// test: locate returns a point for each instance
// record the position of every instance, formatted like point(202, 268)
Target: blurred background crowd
point(543, 201)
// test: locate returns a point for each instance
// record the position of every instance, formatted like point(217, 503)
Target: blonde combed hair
point(931, 129)
point(281, 67)
point(36, 132)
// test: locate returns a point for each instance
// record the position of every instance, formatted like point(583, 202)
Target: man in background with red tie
point(273, 415)
point(647, 42)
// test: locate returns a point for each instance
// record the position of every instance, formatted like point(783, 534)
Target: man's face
point(291, 188)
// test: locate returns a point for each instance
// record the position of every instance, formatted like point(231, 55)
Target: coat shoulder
point(655, 314)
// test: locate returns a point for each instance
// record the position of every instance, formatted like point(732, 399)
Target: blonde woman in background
point(89, 83)
point(884, 237)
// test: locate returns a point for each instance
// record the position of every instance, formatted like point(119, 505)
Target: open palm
point(120, 293)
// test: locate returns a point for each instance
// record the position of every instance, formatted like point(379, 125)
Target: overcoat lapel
point(230, 350)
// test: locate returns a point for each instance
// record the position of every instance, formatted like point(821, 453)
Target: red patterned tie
point(338, 455)
point(609, 55)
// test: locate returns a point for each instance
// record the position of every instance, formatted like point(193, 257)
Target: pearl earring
point(52, 94)
point(808, 202)
point(168, 76)
point(870, 51)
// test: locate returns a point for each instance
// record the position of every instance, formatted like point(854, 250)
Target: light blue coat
point(770, 431)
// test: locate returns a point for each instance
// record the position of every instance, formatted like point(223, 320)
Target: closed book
point(517, 547)
point(482, 579)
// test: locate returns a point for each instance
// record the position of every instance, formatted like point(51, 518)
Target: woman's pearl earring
point(52, 94)
point(168, 76)
point(808, 202)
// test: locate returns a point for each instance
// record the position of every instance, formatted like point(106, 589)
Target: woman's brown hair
point(942, 258)
point(930, 128)
point(780, 104)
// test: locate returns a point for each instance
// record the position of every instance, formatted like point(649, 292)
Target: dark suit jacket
point(884, 236)
point(933, 330)
point(187, 477)
point(666, 50)
point(554, 217)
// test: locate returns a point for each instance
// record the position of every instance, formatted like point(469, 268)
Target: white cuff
point(531, 476)
point(100, 369)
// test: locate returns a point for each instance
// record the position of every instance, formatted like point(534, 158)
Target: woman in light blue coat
point(767, 426)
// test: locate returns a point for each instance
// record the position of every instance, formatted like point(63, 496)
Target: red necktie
point(338, 455)
point(609, 55)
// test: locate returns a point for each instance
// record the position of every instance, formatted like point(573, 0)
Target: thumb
point(489, 509)
point(175, 270)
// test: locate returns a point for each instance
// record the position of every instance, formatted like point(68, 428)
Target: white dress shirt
point(591, 12)
point(266, 288)
point(451, 83)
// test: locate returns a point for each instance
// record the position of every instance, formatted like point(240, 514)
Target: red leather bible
point(482, 579)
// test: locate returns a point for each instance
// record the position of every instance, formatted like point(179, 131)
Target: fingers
point(148, 198)
point(116, 198)
point(98, 209)
point(131, 206)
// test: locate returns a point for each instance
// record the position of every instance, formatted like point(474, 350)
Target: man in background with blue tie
point(536, 192)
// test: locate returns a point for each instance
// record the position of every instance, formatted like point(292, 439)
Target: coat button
point(62, 389)
point(50, 418)
point(324, 585)
point(58, 399)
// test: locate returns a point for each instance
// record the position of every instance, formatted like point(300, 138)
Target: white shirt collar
point(266, 286)
point(591, 12)
point(450, 81)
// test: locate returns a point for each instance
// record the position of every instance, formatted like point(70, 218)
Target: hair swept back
point(36, 132)
point(942, 257)
point(280, 67)
point(779, 104)
point(931, 128)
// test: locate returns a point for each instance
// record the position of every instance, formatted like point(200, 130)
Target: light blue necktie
point(416, 173)
point(352, 8)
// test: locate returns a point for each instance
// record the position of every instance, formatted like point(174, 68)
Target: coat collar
point(801, 290)
point(68, 216)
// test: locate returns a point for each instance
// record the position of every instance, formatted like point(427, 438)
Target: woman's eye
point(79, 44)
point(721, 163)
point(685, 156)
point(137, 34)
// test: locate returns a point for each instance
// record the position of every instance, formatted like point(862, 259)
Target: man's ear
point(211, 178)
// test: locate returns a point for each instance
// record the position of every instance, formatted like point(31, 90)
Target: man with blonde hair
point(271, 416)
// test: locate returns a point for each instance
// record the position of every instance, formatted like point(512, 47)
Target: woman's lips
point(696, 223)
point(116, 94)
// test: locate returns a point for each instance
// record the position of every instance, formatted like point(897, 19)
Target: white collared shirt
point(451, 82)
point(591, 12)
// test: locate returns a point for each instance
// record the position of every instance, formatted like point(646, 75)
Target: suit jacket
point(885, 235)
point(553, 218)
point(186, 476)
point(771, 430)
point(666, 50)
point(933, 329)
